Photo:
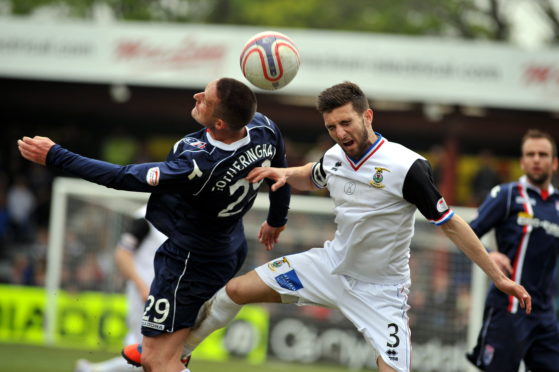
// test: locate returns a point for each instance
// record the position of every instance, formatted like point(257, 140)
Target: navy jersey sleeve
point(494, 209)
point(146, 177)
point(279, 200)
point(420, 190)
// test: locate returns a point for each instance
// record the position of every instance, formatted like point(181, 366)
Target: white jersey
point(375, 200)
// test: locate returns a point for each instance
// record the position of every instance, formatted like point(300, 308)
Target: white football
point(270, 60)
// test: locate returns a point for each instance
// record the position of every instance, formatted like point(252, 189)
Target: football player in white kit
point(364, 271)
point(134, 257)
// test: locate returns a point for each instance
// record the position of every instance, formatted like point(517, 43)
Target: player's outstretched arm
point(298, 177)
point(35, 149)
point(461, 234)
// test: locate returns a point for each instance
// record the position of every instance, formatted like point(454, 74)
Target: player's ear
point(368, 115)
point(220, 124)
point(554, 163)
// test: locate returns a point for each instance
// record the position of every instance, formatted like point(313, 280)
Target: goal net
point(446, 296)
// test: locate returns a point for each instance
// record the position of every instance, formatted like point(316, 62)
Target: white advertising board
point(387, 67)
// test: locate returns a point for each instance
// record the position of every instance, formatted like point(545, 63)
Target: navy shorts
point(505, 339)
point(183, 282)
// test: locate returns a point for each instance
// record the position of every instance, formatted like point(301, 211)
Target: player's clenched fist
point(35, 149)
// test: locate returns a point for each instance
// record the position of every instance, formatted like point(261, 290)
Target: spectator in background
point(40, 183)
point(485, 178)
point(525, 217)
point(21, 269)
point(134, 257)
point(4, 219)
point(20, 205)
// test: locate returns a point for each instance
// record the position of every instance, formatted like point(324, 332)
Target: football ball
point(270, 60)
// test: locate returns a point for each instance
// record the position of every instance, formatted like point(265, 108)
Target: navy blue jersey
point(199, 194)
point(526, 222)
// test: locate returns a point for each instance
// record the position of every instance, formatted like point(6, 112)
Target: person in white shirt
point(376, 186)
point(134, 258)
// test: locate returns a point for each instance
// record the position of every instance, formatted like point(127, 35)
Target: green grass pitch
point(26, 358)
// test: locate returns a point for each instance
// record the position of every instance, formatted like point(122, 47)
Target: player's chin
point(538, 177)
point(351, 151)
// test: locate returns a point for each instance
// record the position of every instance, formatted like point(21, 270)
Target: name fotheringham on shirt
point(244, 160)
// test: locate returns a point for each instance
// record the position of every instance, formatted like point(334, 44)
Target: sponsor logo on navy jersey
point(195, 142)
point(289, 280)
point(525, 219)
point(522, 200)
point(152, 176)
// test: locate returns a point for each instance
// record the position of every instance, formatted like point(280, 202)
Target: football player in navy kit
point(198, 198)
point(376, 185)
point(525, 216)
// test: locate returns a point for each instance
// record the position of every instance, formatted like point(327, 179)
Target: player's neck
point(227, 136)
point(542, 186)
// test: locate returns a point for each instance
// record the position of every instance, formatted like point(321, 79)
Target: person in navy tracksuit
point(525, 215)
point(198, 198)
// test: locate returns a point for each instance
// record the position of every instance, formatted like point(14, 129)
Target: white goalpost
point(63, 189)
point(446, 298)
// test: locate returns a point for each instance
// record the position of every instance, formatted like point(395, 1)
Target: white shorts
point(379, 312)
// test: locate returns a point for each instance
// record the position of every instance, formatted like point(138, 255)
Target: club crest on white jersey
point(378, 177)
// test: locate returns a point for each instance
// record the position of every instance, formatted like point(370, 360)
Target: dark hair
point(237, 103)
point(340, 95)
point(536, 133)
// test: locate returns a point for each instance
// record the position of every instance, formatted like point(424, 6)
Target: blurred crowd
point(24, 214)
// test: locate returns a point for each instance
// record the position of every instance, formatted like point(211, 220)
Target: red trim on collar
point(362, 161)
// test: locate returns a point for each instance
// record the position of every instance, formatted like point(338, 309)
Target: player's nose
point(340, 133)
